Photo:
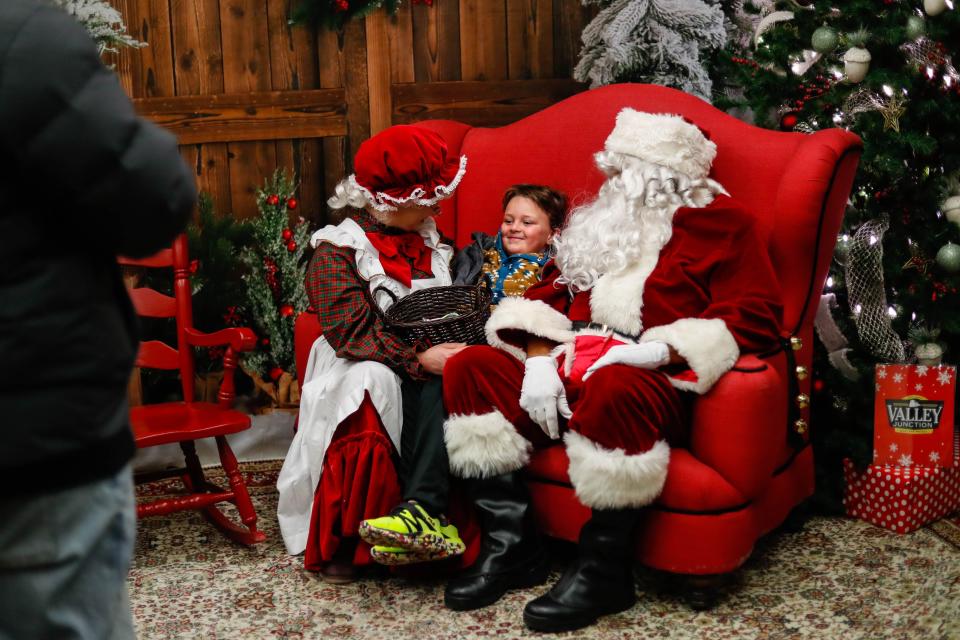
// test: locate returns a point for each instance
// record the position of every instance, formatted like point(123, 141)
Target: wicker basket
point(454, 313)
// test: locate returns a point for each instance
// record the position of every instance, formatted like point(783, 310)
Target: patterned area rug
point(948, 529)
point(838, 578)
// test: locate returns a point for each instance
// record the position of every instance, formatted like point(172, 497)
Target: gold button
point(802, 373)
point(803, 401)
point(800, 426)
point(796, 343)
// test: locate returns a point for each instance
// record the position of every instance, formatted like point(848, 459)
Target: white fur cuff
point(706, 344)
point(612, 479)
point(530, 316)
point(482, 446)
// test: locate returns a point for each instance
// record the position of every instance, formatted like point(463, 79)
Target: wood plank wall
point(246, 93)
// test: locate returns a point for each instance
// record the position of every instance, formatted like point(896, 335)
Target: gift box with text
point(913, 419)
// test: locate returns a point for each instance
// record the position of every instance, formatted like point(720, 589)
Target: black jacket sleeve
point(70, 133)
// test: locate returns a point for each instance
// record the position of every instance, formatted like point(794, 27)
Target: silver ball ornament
point(948, 257)
point(916, 27)
point(841, 250)
point(825, 39)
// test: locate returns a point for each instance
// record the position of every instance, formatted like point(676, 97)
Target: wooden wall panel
point(569, 19)
point(530, 39)
point(198, 66)
point(150, 71)
point(482, 104)
point(436, 42)
point(487, 62)
point(293, 65)
point(246, 68)
point(334, 150)
point(483, 47)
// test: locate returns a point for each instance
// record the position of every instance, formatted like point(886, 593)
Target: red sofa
point(749, 462)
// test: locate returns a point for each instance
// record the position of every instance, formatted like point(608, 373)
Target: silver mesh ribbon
point(865, 292)
point(832, 337)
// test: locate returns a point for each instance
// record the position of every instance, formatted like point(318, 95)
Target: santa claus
point(657, 288)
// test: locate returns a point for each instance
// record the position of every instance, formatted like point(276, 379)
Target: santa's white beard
point(608, 236)
point(632, 217)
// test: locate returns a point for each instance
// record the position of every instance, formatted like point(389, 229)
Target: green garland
point(334, 14)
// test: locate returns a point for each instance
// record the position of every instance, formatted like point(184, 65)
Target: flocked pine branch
point(104, 23)
point(653, 41)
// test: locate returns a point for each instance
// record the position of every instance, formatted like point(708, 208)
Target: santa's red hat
point(406, 165)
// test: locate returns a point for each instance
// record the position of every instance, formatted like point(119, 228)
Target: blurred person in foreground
point(84, 180)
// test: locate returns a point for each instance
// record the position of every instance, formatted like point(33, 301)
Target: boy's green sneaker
point(410, 527)
point(394, 556)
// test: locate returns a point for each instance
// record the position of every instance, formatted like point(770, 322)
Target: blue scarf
point(518, 271)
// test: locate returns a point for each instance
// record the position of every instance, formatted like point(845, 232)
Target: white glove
point(646, 355)
point(542, 394)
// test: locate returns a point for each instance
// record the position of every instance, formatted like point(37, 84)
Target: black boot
point(511, 556)
point(598, 583)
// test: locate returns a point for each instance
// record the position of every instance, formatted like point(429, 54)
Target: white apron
point(334, 388)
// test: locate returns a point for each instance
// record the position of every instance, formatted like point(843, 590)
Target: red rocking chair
point(187, 421)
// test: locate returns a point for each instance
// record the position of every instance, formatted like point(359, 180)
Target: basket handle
point(373, 300)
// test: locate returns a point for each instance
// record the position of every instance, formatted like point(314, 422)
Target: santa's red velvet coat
point(710, 293)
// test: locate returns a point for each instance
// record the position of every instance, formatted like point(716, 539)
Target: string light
point(858, 309)
point(829, 282)
point(891, 312)
point(887, 89)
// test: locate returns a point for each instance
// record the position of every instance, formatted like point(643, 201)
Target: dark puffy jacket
point(82, 179)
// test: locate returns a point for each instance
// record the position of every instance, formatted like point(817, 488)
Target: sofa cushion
point(691, 487)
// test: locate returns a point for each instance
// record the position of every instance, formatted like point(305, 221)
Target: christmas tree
point(217, 282)
point(883, 69)
point(275, 294)
point(661, 42)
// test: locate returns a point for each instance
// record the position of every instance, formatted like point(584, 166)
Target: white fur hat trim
point(663, 139)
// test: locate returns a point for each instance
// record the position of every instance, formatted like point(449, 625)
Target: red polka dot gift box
point(901, 499)
point(913, 416)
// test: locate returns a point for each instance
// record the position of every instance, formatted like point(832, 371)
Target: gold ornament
point(802, 373)
point(803, 401)
point(917, 261)
point(892, 111)
point(800, 426)
point(796, 343)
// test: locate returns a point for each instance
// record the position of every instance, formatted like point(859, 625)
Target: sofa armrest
point(306, 330)
point(739, 427)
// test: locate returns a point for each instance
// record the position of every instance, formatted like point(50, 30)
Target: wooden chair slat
point(153, 304)
point(163, 258)
point(154, 354)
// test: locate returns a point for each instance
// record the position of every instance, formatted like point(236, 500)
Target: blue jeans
point(64, 558)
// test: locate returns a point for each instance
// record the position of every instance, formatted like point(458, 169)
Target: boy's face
point(525, 227)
